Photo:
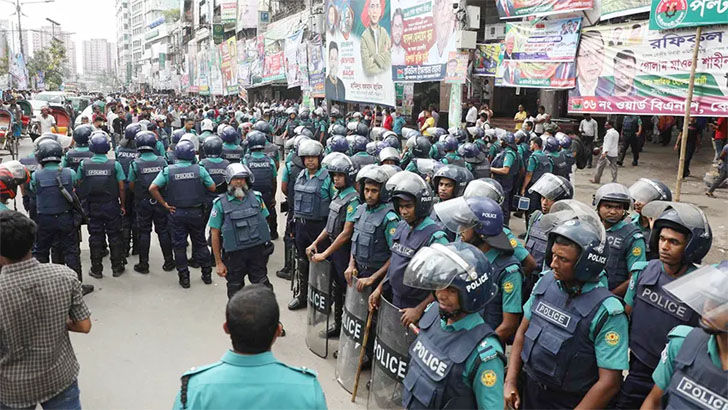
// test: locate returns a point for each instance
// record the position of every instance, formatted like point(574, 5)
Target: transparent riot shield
point(319, 307)
point(353, 325)
point(391, 358)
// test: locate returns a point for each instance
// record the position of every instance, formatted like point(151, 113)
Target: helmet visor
point(411, 183)
point(644, 191)
point(434, 267)
point(569, 209)
point(456, 215)
point(691, 216)
point(427, 166)
point(334, 158)
point(549, 186)
point(705, 291)
point(480, 188)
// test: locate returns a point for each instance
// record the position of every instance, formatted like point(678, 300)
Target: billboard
point(508, 9)
point(618, 8)
point(486, 59)
point(668, 14)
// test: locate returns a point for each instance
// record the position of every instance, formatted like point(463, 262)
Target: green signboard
point(217, 33)
point(669, 14)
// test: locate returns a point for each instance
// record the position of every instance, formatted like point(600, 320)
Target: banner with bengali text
point(628, 69)
point(669, 14)
point(618, 8)
point(553, 40)
point(293, 70)
point(229, 56)
point(486, 59)
point(508, 9)
point(274, 67)
point(514, 73)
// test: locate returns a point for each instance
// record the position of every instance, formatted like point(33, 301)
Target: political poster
point(358, 52)
point(228, 11)
point(293, 70)
point(457, 67)
point(423, 36)
point(316, 66)
point(455, 109)
point(216, 86)
point(274, 68)
point(532, 74)
point(486, 59)
point(508, 9)
point(628, 69)
point(243, 66)
point(618, 8)
point(229, 60)
point(203, 71)
point(668, 14)
point(247, 14)
point(553, 40)
point(302, 59)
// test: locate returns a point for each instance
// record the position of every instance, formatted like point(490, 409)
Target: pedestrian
point(388, 121)
point(46, 121)
point(452, 329)
point(683, 237)
point(435, 115)
point(720, 126)
point(520, 116)
point(39, 304)
point(185, 185)
point(665, 123)
point(608, 155)
point(631, 131)
point(539, 120)
point(693, 144)
point(248, 374)
point(472, 115)
point(429, 121)
point(588, 129)
point(722, 172)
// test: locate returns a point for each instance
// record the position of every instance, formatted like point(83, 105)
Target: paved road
point(147, 330)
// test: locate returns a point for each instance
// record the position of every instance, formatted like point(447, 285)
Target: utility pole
point(20, 27)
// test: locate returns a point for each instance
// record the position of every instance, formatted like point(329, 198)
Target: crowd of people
point(416, 219)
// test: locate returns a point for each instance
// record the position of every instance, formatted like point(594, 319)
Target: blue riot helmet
point(339, 144)
point(145, 124)
point(389, 154)
point(238, 170)
point(82, 133)
point(212, 147)
point(471, 153)
point(185, 150)
point(361, 129)
point(564, 141)
point(460, 175)
point(482, 214)
point(508, 140)
point(230, 135)
point(392, 139)
point(360, 144)
point(458, 265)
point(256, 140)
point(685, 218)
point(372, 148)
point(646, 190)
point(460, 134)
point(476, 132)
point(49, 151)
point(177, 135)
point(380, 146)
point(413, 188)
point(151, 125)
point(591, 242)
point(132, 130)
point(337, 162)
point(145, 141)
point(337, 129)
point(99, 143)
point(487, 188)
point(422, 147)
point(552, 145)
point(521, 136)
point(262, 126)
point(450, 144)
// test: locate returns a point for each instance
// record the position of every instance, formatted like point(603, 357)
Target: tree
point(50, 62)
point(171, 15)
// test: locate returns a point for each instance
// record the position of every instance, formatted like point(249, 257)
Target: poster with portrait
point(256, 55)
point(293, 71)
point(628, 69)
point(247, 14)
point(229, 61)
point(533, 74)
point(243, 66)
point(358, 52)
point(216, 86)
point(553, 40)
point(203, 71)
point(486, 59)
point(423, 36)
point(510, 9)
point(457, 67)
point(316, 66)
point(274, 67)
point(302, 59)
point(618, 8)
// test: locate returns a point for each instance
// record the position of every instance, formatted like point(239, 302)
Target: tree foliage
point(171, 15)
point(51, 62)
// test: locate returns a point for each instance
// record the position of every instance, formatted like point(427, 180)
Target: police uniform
point(509, 278)
point(142, 173)
point(98, 180)
point(538, 164)
point(570, 336)
point(341, 210)
point(258, 380)
point(271, 151)
point(245, 238)
point(266, 176)
point(125, 156)
point(371, 241)
point(291, 169)
point(690, 372)
point(204, 135)
point(406, 241)
point(626, 247)
point(73, 157)
point(536, 239)
point(561, 166)
point(455, 159)
point(646, 233)
point(186, 190)
point(654, 314)
point(231, 152)
point(470, 367)
point(506, 158)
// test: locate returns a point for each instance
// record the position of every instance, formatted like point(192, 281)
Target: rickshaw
point(27, 115)
point(8, 143)
point(63, 118)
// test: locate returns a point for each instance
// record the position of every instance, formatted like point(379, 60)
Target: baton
point(414, 329)
point(361, 354)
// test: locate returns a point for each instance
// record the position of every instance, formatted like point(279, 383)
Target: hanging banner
point(625, 71)
point(293, 71)
point(508, 9)
point(274, 68)
point(228, 11)
point(247, 14)
point(455, 110)
point(486, 59)
point(18, 73)
point(302, 59)
point(256, 57)
point(243, 67)
point(358, 52)
point(228, 66)
point(513, 73)
point(667, 14)
point(316, 68)
point(217, 33)
point(423, 36)
point(203, 71)
point(216, 85)
point(554, 40)
point(618, 8)
point(457, 67)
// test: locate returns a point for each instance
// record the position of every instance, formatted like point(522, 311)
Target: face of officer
point(238, 187)
point(611, 212)
point(311, 163)
point(546, 205)
point(406, 209)
point(672, 246)
point(371, 193)
point(449, 302)
point(563, 260)
point(339, 180)
point(446, 189)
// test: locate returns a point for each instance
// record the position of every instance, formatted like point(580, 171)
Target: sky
point(87, 18)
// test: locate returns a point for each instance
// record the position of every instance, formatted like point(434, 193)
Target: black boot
point(143, 266)
point(335, 328)
point(117, 259)
point(285, 272)
point(207, 275)
point(168, 265)
point(86, 289)
point(97, 269)
point(299, 298)
point(184, 279)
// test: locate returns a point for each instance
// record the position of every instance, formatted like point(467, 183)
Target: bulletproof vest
point(171, 157)
point(696, 382)
point(308, 203)
point(146, 171)
point(507, 180)
point(217, 172)
point(654, 314)
point(619, 243)
point(262, 169)
point(184, 188)
point(295, 167)
point(50, 201)
point(405, 243)
point(362, 160)
point(493, 312)
point(271, 151)
point(481, 169)
point(437, 363)
point(232, 154)
point(630, 125)
point(368, 243)
point(525, 151)
point(455, 159)
point(570, 160)
point(537, 240)
point(74, 158)
point(309, 126)
point(557, 350)
point(561, 167)
point(125, 156)
point(543, 165)
point(337, 214)
point(243, 226)
point(99, 182)
point(290, 126)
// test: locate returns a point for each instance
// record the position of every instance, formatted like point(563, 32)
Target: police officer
point(560, 165)
point(231, 149)
point(420, 150)
point(101, 183)
point(692, 369)
point(479, 221)
point(293, 167)
point(304, 119)
point(565, 144)
point(477, 161)
point(453, 333)
point(626, 242)
point(141, 174)
point(682, 238)
point(449, 182)
point(313, 191)
point(291, 123)
point(270, 149)
point(572, 342)
point(126, 152)
point(251, 320)
point(266, 175)
point(207, 127)
point(549, 188)
point(643, 192)
point(339, 229)
point(389, 156)
point(631, 130)
point(413, 203)
point(451, 152)
point(538, 164)
point(74, 156)
point(185, 184)
point(505, 167)
point(240, 236)
point(359, 156)
point(176, 137)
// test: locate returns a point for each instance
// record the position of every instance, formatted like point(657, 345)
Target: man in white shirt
point(471, 116)
point(540, 119)
point(588, 128)
point(46, 121)
point(608, 156)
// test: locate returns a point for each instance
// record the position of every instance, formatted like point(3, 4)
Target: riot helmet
point(481, 214)
point(337, 162)
point(705, 290)
point(256, 140)
point(360, 144)
point(389, 154)
point(339, 144)
point(487, 188)
point(646, 190)
point(411, 187)
point(422, 147)
point(229, 135)
point(49, 151)
point(212, 147)
point(185, 150)
point(459, 175)
point(685, 218)
point(553, 187)
point(82, 133)
point(99, 143)
point(145, 141)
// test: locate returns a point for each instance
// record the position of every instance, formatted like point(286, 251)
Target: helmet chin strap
point(449, 315)
point(709, 329)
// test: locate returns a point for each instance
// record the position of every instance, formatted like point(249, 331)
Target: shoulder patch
point(514, 243)
point(636, 251)
point(438, 235)
point(197, 370)
point(612, 338)
point(679, 332)
point(638, 235)
point(513, 268)
point(613, 305)
point(487, 350)
point(302, 369)
point(488, 378)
